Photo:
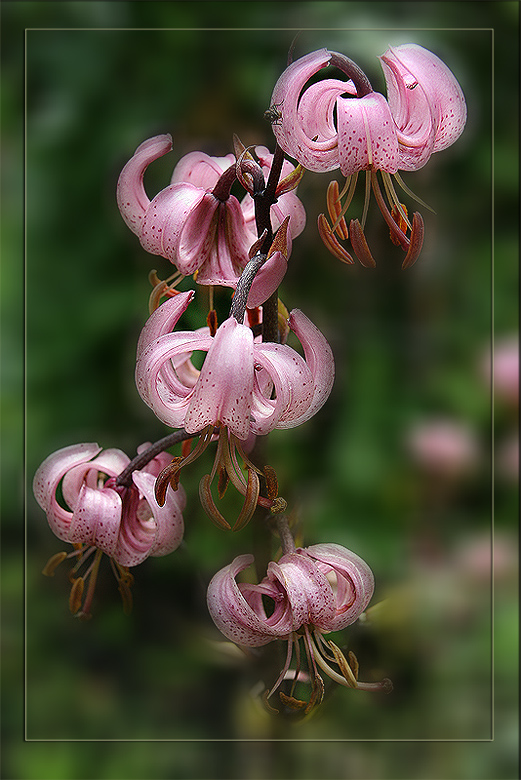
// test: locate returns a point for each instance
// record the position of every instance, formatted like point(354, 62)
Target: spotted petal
point(426, 101)
point(233, 614)
point(131, 196)
point(291, 132)
point(48, 477)
point(366, 135)
point(354, 584)
point(223, 392)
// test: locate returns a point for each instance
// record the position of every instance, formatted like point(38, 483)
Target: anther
point(76, 594)
point(360, 245)
point(52, 564)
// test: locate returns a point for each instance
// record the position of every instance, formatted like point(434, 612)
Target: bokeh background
point(156, 695)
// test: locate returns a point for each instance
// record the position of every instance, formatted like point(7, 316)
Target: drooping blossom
point(309, 592)
point(338, 124)
point(196, 222)
point(98, 515)
point(238, 378)
point(244, 386)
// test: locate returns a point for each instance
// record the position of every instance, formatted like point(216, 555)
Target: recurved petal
point(96, 519)
point(156, 380)
point(426, 101)
point(223, 391)
point(354, 584)
point(292, 384)
point(131, 196)
point(48, 477)
point(366, 135)
point(225, 250)
point(164, 318)
point(110, 463)
point(165, 219)
point(167, 519)
point(201, 170)
point(309, 591)
point(290, 130)
point(319, 359)
point(230, 611)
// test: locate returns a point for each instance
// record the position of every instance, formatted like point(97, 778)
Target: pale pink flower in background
point(196, 222)
point(443, 447)
point(503, 366)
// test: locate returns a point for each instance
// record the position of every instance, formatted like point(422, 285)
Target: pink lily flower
point(195, 222)
point(313, 590)
point(238, 377)
point(425, 113)
point(245, 387)
point(324, 130)
point(125, 523)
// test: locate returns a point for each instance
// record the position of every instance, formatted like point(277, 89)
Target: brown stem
point(125, 478)
point(351, 69)
point(286, 537)
point(222, 189)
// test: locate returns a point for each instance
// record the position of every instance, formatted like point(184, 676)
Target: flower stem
point(351, 69)
point(238, 307)
point(222, 189)
point(125, 478)
point(286, 537)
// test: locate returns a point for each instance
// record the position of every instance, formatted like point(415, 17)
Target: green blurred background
point(132, 697)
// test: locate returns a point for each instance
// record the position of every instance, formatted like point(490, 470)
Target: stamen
point(162, 288)
point(353, 663)
point(367, 197)
point(223, 482)
point(394, 200)
point(76, 594)
point(393, 227)
point(343, 665)
point(360, 245)
point(351, 180)
point(272, 484)
point(53, 562)
point(334, 208)
point(396, 214)
point(250, 503)
point(93, 576)
point(317, 693)
point(291, 639)
point(415, 247)
point(331, 242)
point(211, 319)
point(170, 474)
point(208, 504)
point(411, 194)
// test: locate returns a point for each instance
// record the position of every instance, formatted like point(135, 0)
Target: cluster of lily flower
point(251, 381)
